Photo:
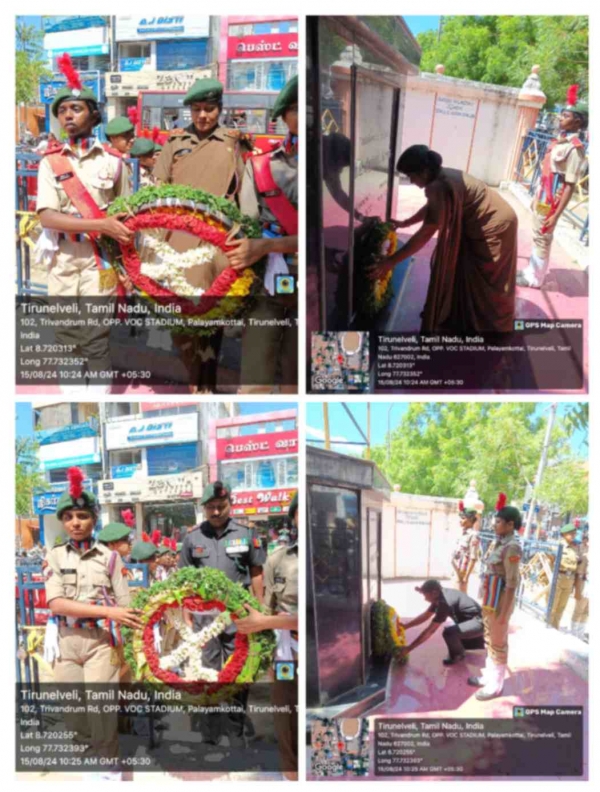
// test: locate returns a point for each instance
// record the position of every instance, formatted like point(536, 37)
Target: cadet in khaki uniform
point(500, 581)
point(81, 166)
point(88, 595)
point(467, 549)
point(117, 537)
point(265, 347)
point(564, 159)
point(568, 574)
point(281, 597)
point(145, 151)
point(581, 611)
point(120, 133)
point(146, 553)
point(207, 157)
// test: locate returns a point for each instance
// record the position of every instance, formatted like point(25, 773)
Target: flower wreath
point(373, 295)
point(216, 222)
point(387, 633)
point(196, 590)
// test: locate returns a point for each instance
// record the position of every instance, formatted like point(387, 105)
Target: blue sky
point(24, 419)
point(419, 24)
point(342, 428)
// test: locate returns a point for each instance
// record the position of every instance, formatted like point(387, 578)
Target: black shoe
point(452, 660)
point(476, 682)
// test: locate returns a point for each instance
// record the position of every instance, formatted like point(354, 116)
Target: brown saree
point(474, 265)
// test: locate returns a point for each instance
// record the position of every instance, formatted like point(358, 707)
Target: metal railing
point(529, 172)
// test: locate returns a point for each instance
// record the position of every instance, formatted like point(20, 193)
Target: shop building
point(257, 457)
point(157, 59)
point(257, 56)
point(68, 435)
point(156, 462)
point(346, 498)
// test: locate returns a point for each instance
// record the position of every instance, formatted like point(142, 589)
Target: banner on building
point(182, 486)
point(139, 28)
point(245, 446)
point(269, 501)
point(139, 432)
point(280, 45)
point(130, 83)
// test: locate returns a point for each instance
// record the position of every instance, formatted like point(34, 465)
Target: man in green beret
point(281, 597)
point(77, 180)
point(569, 573)
point(117, 537)
point(270, 195)
point(88, 597)
point(146, 553)
point(562, 169)
point(120, 133)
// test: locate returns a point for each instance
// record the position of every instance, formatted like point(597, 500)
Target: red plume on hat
point(155, 134)
point(70, 73)
point(145, 537)
point(75, 477)
point(174, 545)
point(461, 506)
point(501, 502)
point(128, 518)
point(132, 115)
point(166, 542)
point(572, 95)
point(156, 537)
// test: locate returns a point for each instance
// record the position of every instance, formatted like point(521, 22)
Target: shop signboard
point(269, 501)
point(130, 83)
point(90, 79)
point(179, 487)
point(84, 451)
point(57, 24)
point(124, 471)
point(280, 45)
point(140, 432)
point(135, 27)
point(248, 446)
point(47, 501)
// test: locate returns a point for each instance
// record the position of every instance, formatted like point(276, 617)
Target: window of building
point(120, 409)
point(260, 75)
point(171, 459)
point(58, 476)
point(138, 49)
point(179, 55)
point(260, 474)
point(174, 410)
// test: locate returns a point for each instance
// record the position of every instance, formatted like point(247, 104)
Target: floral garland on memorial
point(387, 633)
point(197, 590)
point(378, 241)
point(158, 276)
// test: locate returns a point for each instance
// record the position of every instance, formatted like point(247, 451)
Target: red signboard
point(279, 45)
point(268, 501)
point(259, 445)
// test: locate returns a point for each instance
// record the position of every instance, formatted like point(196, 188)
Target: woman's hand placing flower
point(381, 268)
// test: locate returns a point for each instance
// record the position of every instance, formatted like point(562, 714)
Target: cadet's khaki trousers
point(581, 611)
point(87, 660)
point(495, 635)
point(285, 694)
point(564, 589)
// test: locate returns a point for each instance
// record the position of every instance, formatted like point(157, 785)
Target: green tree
point(502, 50)
point(566, 486)
point(27, 476)
point(438, 448)
point(30, 66)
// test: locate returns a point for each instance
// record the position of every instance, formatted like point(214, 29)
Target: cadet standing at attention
point(569, 573)
point(467, 549)
point(207, 157)
point(500, 582)
point(77, 180)
point(270, 195)
point(281, 597)
point(120, 133)
point(88, 595)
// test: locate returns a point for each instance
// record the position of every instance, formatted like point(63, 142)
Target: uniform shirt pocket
point(69, 582)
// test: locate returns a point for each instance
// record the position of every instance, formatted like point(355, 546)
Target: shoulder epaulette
point(175, 133)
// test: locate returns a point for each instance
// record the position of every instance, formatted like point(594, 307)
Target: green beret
point(293, 507)
point(142, 147)
point(569, 528)
point(143, 551)
point(157, 147)
point(216, 490)
point(287, 96)
point(207, 90)
point(162, 550)
point(113, 532)
point(118, 126)
point(86, 94)
point(85, 501)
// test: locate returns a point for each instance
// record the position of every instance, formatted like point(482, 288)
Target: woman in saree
point(474, 264)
